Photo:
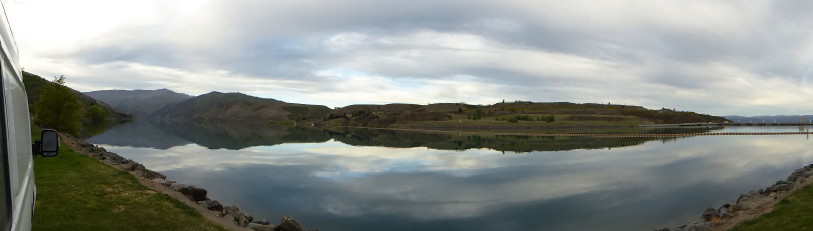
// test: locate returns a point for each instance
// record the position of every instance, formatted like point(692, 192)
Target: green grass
point(76, 192)
point(792, 213)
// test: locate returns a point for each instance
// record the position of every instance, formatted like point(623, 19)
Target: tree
point(58, 108)
point(97, 114)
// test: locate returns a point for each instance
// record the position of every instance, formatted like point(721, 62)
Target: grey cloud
point(582, 47)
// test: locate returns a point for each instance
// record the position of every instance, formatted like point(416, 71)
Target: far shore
point(585, 130)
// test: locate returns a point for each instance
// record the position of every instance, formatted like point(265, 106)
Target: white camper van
point(17, 189)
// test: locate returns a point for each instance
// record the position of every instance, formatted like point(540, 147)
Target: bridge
point(724, 124)
point(675, 134)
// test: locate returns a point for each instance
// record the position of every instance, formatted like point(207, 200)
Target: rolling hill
point(509, 116)
point(140, 103)
point(239, 107)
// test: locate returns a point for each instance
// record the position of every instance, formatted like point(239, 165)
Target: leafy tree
point(478, 114)
point(96, 113)
point(58, 108)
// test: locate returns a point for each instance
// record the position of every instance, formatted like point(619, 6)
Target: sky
point(708, 56)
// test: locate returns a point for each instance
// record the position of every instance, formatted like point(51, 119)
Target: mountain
point(215, 106)
point(787, 119)
point(140, 103)
point(34, 85)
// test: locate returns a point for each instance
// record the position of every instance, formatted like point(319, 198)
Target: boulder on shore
point(288, 224)
point(233, 214)
point(211, 205)
point(195, 193)
point(710, 214)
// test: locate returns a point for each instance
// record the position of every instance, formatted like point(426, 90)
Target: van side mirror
point(48, 146)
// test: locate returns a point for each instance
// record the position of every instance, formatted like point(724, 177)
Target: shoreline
point(228, 217)
point(531, 132)
point(749, 205)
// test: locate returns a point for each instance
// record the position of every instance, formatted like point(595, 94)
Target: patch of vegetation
point(58, 108)
point(35, 86)
point(76, 192)
point(789, 214)
point(517, 118)
point(96, 114)
point(306, 112)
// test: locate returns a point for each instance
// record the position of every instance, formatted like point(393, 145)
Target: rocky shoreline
point(228, 216)
point(749, 205)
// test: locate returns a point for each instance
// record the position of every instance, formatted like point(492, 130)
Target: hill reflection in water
point(236, 136)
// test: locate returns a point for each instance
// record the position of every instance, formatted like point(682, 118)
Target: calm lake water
point(348, 180)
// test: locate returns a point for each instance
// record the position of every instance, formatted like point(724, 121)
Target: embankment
point(749, 205)
point(195, 197)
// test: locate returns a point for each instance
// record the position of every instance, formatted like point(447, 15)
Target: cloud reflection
point(425, 185)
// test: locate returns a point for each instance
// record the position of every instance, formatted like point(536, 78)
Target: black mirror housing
point(48, 146)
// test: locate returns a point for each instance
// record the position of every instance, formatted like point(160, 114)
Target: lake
point(364, 179)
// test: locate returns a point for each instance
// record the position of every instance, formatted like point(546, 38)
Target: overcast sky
point(714, 57)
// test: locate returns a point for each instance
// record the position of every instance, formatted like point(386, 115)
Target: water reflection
point(236, 136)
point(351, 184)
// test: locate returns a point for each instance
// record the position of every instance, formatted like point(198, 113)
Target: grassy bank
point(792, 213)
point(76, 192)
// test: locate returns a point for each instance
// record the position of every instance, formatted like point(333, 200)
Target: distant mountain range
point(787, 119)
point(140, 103)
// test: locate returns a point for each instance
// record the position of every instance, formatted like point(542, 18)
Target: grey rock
point(149, 174)
point(211, 205)
point(262, 222)
point(166, 183)
point(709, 214)
point(747, 201)
point(230, 218)
point(236, 217)
point(197, 194)
point(807, 174)
point(129, 166)
point(795, 175)
point(780, 186)
point(702, 226)
point(138, 167)
point(737, 207)
point(288, 224)
point(230, 210)
point(260, 227)
point(115, 156)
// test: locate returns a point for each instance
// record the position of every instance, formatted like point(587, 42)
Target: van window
point(5, 187)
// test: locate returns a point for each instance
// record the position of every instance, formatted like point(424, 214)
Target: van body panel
point(18, 134)
point(20, 178)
